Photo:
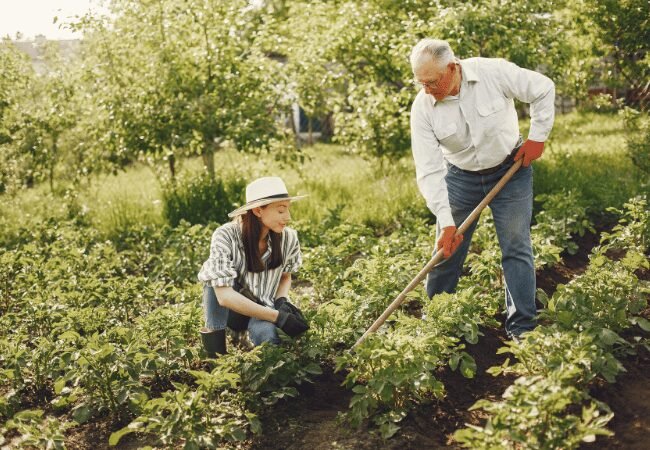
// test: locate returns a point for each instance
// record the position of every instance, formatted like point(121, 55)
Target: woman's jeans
point(218, 317)
point(512, 211)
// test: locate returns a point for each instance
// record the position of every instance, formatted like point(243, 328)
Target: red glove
point(449, 242)
point(530, 150)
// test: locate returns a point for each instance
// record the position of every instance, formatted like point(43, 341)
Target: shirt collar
point(468, 73)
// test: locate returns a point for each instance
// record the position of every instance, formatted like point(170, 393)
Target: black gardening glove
point(282, 303)
point(290, 323)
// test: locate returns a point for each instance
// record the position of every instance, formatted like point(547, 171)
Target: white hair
point(427, 50)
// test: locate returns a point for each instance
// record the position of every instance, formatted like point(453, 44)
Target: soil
point(571, 265)
point(311, 420)
point(629, 399)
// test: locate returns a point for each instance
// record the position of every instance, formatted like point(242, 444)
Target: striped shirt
point(227, 262)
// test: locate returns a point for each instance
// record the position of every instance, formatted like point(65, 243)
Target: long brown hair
point(251, 230)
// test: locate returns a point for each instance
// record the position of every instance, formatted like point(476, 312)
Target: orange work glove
point(530, 151)
point(448, 241)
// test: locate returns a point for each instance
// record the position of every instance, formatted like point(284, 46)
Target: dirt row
point(311, 421)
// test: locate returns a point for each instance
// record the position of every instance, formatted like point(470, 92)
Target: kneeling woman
point(246, 279)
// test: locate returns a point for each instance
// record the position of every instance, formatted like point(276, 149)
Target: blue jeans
point(217, 317)
point(512, 210)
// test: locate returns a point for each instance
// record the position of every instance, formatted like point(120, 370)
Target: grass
point(586, 153)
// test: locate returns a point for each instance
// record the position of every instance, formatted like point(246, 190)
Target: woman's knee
point(215, 315)
point(261, 331)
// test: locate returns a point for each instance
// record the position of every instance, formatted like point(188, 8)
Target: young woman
point(246, 279)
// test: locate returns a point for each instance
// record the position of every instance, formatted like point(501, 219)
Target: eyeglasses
point(431, 84)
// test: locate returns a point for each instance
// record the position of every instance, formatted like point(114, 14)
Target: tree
point(620, 32)
point(365, 47)
point(37, 117)
point(182, 77)
point(16, 76)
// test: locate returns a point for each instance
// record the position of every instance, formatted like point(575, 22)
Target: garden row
point(581, 338)
point(94, 330)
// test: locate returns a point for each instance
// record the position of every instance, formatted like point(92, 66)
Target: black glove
point(283, 304)
point(291, 324)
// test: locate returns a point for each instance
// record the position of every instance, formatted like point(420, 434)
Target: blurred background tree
point(161, 80)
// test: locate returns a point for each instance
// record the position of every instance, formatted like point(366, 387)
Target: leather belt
point(496, 168)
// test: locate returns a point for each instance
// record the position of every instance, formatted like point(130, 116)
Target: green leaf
point(116, 436)
point(59, 385)
point(608, 337)
point(28, 414)
point(643, 323)
point(467, 366)
point(313, 368)
point(81, 413)
point(388, 429)
point(454, 360)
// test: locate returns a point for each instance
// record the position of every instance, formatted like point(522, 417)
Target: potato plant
point(557, 361)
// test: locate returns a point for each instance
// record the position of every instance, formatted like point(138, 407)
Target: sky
point(32, 17)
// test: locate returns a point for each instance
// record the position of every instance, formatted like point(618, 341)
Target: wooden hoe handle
point(437, 257)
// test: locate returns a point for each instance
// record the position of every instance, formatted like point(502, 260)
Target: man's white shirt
point(478, 128)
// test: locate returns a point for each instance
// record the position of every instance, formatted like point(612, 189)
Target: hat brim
point(263, 202)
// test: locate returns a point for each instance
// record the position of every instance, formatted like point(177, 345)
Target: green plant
point(536, 413)
point(576, 358)
point(562, 216)
point(34, 430)
point(200, 199)
point(606, 296)
point(392, 371)
point(196, 419)
point(633, 229)
point(104, 374)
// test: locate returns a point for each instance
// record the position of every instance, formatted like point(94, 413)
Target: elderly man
point(465, 136)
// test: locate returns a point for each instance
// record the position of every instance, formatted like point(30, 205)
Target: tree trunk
point(208, 158)
point(310, 139)
point(51, 163)
point(171, 160)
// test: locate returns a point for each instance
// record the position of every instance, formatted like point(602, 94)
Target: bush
point(637, 127)
point(201, 199)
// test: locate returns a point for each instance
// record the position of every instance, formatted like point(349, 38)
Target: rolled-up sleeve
point(534, 88)
point(430, 168)
point(219, 269)
point(291, 251)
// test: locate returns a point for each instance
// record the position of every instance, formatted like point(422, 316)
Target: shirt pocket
point(447, 136)
point(491, 115)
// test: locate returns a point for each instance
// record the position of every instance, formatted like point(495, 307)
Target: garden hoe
point(438, 256)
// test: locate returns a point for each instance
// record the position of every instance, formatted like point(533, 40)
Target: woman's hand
point(290, 317)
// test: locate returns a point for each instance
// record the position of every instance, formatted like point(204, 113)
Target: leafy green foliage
point(577, 358)
point(563, 215)
point(225, 405)
point(556, 362)
point(35, 430)
point(536, 414)
point(391, 372)
point(201, 199)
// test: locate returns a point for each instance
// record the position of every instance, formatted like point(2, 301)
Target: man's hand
point(530, 151)
point(448, 241)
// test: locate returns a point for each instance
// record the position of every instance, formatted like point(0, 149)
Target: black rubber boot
point(214, 342)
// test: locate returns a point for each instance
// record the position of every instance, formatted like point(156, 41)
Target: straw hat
point(264, 191)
